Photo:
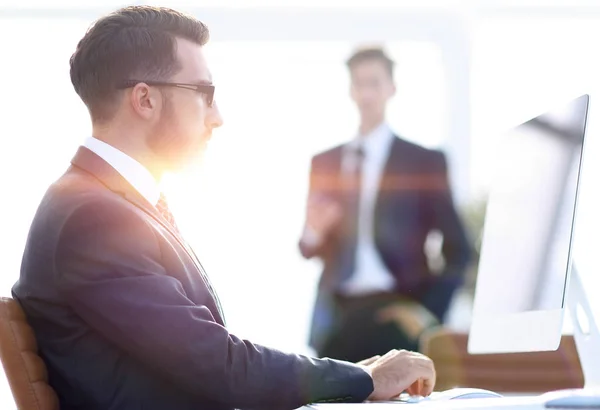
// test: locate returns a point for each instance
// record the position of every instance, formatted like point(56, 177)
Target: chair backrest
point(537, 372)
point(25, 370)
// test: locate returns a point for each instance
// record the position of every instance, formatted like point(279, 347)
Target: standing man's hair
point(136, 43)
point(371, 54)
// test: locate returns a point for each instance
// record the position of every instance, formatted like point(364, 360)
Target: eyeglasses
point(206, 89)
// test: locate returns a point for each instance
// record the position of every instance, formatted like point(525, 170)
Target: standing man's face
point(186, 119)
point(371, 88)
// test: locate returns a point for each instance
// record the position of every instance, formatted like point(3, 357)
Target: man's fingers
point(423, 386)
point(389, 355)
point(369, 361)
point(423, 375)
point(427, 377)
point(427, 386)
point(416, 388)
point(401, 370)
point(324, 213)
point(387, 313)
point(403, 318)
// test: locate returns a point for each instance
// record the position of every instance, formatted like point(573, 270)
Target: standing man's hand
point(412, 318)
point(323, 214)
point(399, 371)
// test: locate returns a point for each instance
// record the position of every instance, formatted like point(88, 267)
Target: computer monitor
point(526, 275)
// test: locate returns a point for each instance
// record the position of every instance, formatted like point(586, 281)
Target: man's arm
point(322, 214)
point(456, 248)
point(109, 270)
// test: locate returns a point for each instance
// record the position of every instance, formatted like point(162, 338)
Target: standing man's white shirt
point(135, 173)
point(370, 274)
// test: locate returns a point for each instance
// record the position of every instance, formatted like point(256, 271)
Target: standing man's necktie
point(163, 208)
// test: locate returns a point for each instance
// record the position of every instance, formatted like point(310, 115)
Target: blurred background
point(466, 72)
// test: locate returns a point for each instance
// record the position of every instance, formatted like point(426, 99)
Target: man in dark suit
point(372, 205)
point(122, 309)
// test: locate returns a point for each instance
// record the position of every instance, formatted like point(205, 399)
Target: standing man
point(372, 204)
point(124, 313)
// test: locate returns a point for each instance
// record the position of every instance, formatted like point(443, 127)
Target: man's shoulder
point(328, 154)
point(68, 203)
point(427, 156)
point(417, 149)
point(74, 195)
point(434, 160)
point(75, 189)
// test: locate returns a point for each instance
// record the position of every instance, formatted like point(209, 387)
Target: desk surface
point(504, 403)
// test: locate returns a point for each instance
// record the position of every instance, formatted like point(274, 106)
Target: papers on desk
point(504, 403)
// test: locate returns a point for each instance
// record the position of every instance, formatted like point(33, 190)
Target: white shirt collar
point(375, 143)
point(135, 173)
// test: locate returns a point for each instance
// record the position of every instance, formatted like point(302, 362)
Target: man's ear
point(144, 100)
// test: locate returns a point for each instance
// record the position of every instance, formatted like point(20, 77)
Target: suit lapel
point(105, 173)
point(137, 200)
point(395, 167)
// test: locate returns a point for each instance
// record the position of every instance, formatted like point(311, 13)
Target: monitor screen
point(528, 230)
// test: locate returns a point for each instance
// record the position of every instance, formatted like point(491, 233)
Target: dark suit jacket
point(413, 199)
point(126, 319)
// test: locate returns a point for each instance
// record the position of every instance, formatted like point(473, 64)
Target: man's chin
point(196, 159)
point(206, 139)
point(188, 161)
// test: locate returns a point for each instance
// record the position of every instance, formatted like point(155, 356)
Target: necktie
point(163, 208)
point(352, 190)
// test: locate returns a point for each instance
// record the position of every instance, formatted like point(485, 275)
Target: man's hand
point(412, 318)
point(399, 371)
point(322, 215)
point(369, 361)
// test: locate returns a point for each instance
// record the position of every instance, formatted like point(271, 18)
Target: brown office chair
point(537, 372)
point(25, 370)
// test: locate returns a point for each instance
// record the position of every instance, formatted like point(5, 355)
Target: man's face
point(371, 87)
point(186, 120)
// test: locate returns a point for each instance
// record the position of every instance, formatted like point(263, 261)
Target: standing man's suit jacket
point(413, 199)
point(126, 319)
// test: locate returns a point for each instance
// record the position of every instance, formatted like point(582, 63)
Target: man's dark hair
point(371, 54)
point(136, 42)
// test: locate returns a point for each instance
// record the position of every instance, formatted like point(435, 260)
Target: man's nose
point(214, 118)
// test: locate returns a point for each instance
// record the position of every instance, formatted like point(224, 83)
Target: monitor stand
point(587, 341)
